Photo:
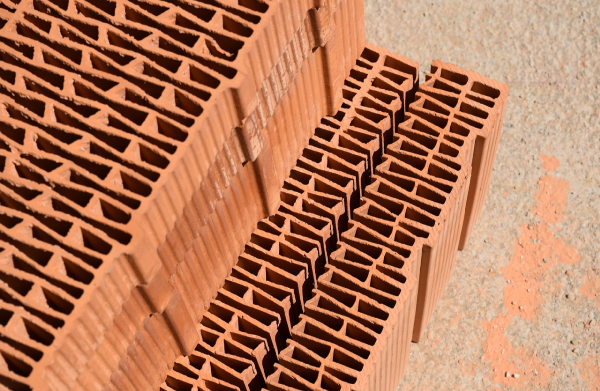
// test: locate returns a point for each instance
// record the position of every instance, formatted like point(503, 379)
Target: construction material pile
point(228, 195)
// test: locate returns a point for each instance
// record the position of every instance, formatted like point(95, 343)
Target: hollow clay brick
point(320, 194)
point(468, 100)
point(128, 70)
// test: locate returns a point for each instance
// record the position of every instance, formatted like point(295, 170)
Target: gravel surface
point(522, 310)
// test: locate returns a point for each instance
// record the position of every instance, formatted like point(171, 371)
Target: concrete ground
point(522, 310)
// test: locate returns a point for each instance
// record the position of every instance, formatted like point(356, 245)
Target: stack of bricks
point(226, 195)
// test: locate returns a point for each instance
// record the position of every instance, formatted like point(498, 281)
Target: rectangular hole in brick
point(135, 185)
point(350, 84)
point(57, 303)
point(348, 94)
point(430, 195)
point(433, 106)
point(440, 85)
point(178, 384)
point(384, 286)
point(437, 120)
point(408, 146)
point(202, 77)
point(41, 24)
point(185, 371)
point(454, 77)
point(345, 298)
point(381, 213)
point(478, 99)
point(233, 26)
point(209, 338)
point(25, 102)
point(167, 129)
point(449, 163)
point(449, 150)
point(382, 96)
point(26, 193)
point(2, 20)
point(400, 66)
point(359, 273)
point(105, 5)
point(360, 335)
point(309, 374)
point(469, 121)
point(363, 64)
point(5, 316)
point(254, 5)
point(370, 55)
point(289, 381)
point(187, 104)
point(372, 311)
point(37, 333)
point(9, 221)
point(93, 242)
point(197, 361)
point(21, 47)
point(327, 383)
point(415, 215)
point(41, 257)
point(299, 354)
point(393, 76)
point(19, 285)
point(403, 238)
point(152, 8)
point(113, 213)
point(457, 128)
point(346, 360)
point(317, 347)
point(472, 110)
point(378, 227)
point(358, 75)
point(486, 90)
point(374, 116)
point(446, 99)
point(8, 75)
point(16, 365)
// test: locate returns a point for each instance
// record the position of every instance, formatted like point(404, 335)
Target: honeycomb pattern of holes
point(152, 71)
point(380, 228)
point(47, 238)
point(184, 370)
point(287, 265)
point(437, 120)
point(413, 148)
point(87, 29)
point(105, 5)
point(363, 64)
point(42, 163)
point(328, 304)
point(7, 8)
point(3, 145)
point(454, 77)
point(348, 94)
point(358, 75)
point(36, 106)
point(136, 33)
point(469, 121)
point(74, 55)
point(98, 169)
point(152, 8)
point(49, 319)
point(350, 84)
point(13, 384)
point(384, 286)
point(262, 242)
point(394, 77)
point(25, 49)
point(98, 150)
point(448, 100)
point(61, 227)
point(345, 298)
point(218, 67)
point(393, 193)
point(80, 108)
point(453, 165)
point(77, 196)
point(19, 285)
point(184, 37)
point(9, 221)
point(178, 384)
point(8, 76)
point(114, 213)
point(125, 199)
point(345, 105)
point(382, 95)
point(429, 194)
point(5, 316)
point(340, 280)
point(414, 161)
point(26, 267)
point(449, 150)
point(431, 105)
point(38, 22)
point(40, 256)
point(57, 303)
point(121, 59)
point(370, 55)
point(359, 273)
point(472, 110)
point(486, 90)
point(415, 215)
point(357, 334)
point(29, 351)
point(441, 85)
point(16, 365)
point(169, 148)
point(480, 100)
point(100, 82)
point(114, 233)
point(24, 192)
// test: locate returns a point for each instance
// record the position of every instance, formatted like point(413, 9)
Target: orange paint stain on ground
point(504, 357)
point(590, 372)
point(591, 287)
point(551, 198)
point(549, 163)
point(536, 250)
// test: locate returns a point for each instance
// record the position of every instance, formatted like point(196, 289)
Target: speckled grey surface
point(522, 310)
